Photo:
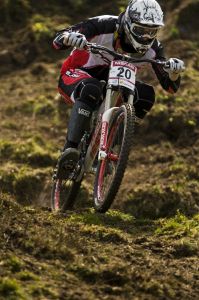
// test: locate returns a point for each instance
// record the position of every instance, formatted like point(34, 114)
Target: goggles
point(141, 31)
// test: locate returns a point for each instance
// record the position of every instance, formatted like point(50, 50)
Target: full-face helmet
point(141, 23)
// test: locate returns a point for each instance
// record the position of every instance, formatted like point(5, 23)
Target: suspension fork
point(110, 108)
point(100, 135)
point(104, 132)
point(109, 111)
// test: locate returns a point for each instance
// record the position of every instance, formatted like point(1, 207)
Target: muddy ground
point(146, 246)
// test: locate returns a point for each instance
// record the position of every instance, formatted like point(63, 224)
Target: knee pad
point(90, 92)
point(144, 100)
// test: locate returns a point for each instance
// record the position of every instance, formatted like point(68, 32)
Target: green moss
point(14, 263)
point(87, 218)
point(191, 123)
point(41, 30)
point(27, 276)
point(11, 289)
point(180, 225)
point(104, 234)
point(110, 219)
point(116, 214)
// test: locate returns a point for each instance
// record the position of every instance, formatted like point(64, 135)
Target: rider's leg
point(144, 99)
point(86, 94)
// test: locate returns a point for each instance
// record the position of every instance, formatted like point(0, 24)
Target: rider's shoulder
point(104, 18)
point(104, 23)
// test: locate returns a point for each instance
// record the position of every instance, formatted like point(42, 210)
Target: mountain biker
point(133, 32)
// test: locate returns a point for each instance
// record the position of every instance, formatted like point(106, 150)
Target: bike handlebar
point(94, 48)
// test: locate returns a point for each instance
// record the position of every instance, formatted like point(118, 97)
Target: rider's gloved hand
point(174, 67)
point(74, 39)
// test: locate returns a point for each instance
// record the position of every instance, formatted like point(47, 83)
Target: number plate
point(122, 73)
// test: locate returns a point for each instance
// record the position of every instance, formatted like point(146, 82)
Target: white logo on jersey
point(70, 74)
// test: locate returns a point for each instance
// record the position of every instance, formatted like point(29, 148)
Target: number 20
point(127, 73)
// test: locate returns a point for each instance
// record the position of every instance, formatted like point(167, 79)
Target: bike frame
point(109, 106)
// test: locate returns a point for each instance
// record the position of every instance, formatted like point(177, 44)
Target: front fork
point(110, 109)
point(104, 132)
point(100, 136)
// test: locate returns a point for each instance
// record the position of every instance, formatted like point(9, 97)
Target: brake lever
point(165, 64)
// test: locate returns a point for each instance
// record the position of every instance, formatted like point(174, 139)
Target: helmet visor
point(144, 31)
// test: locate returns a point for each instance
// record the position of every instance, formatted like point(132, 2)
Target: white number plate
point(122, 73)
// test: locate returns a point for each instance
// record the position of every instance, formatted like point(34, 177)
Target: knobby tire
point(103, 204)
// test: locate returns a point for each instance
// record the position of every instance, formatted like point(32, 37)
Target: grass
point(186, 230)
point(180, 225)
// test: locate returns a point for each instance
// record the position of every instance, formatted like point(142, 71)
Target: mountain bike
point(108, 144)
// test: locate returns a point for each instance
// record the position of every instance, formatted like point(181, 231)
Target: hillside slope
point(147, 246)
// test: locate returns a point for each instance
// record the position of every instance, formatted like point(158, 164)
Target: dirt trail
point(87, 256)
point(146, 246)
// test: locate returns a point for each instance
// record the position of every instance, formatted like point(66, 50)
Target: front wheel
point(110, 171)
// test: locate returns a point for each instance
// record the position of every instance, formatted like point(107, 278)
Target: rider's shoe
point(67, 163)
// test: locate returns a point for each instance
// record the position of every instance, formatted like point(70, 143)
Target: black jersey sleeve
point(163, 77)
point(90, 28)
